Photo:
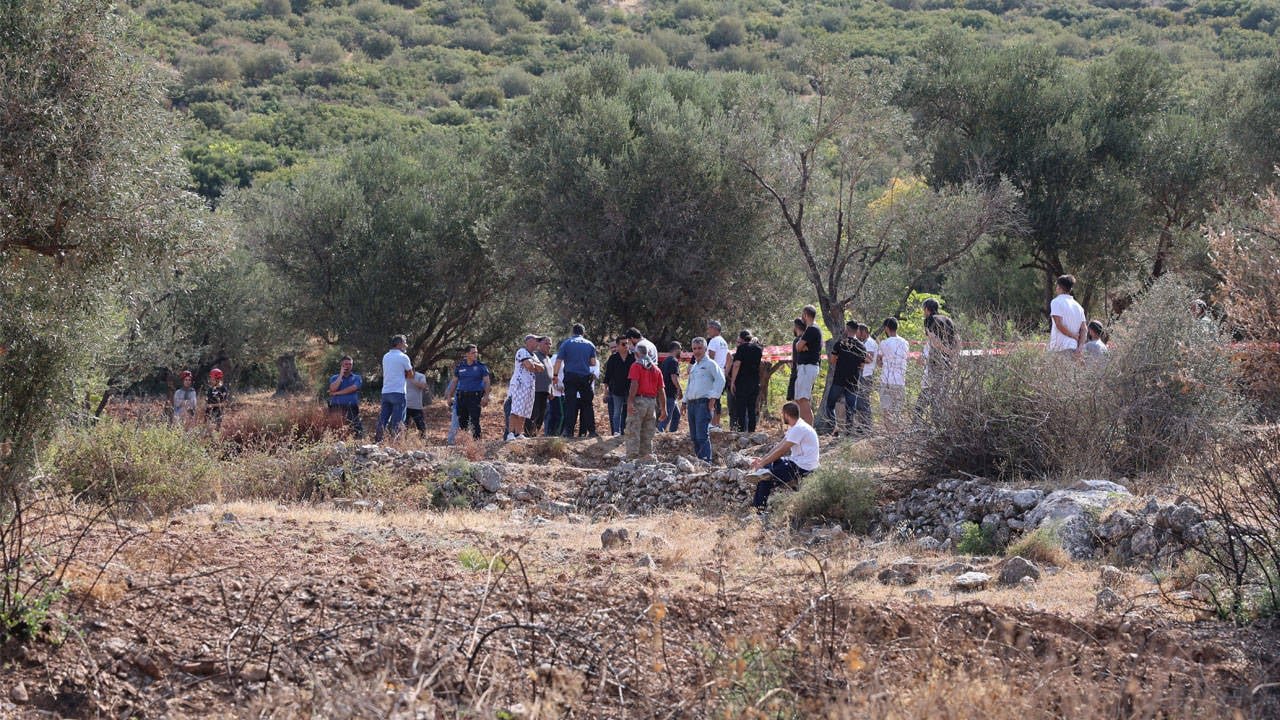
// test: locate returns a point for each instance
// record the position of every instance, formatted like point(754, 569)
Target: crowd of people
point(553, 393)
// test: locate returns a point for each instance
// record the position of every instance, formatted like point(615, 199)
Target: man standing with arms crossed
point(807, 353)
point(706, 382)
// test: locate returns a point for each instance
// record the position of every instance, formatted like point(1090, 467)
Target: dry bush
point(1239, 487)
point(1164, 396)
point(297, 471)
point(151, 470)
point(1246, 254)
point(1041, 545)
point(833, 493)
point(271, 425)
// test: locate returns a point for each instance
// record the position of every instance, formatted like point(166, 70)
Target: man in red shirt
point(646, 400)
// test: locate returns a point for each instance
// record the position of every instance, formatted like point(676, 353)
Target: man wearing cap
point(344, 395)
point(576, 361)
point(396, 372)
point(706, 383)
point(718, 351)
point(744, 382)
point(184, 400)
point(521, 389)
point(216, 398)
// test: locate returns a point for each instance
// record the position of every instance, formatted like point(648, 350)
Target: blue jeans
point(393, 412)
point(617, 414)
point(699, 416)
point(672, 423)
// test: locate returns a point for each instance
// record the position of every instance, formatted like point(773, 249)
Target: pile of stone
point(475, 484)
point(643, 487)
point(1090, 519)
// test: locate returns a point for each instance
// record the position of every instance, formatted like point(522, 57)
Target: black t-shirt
point(812, 338)
point(670, 373)
point(850, 355)
point(941, 327)
point(615, 374)
point(748, 357)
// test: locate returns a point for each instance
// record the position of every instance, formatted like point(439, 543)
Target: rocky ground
point(567, 582)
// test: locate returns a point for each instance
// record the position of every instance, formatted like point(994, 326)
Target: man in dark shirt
point(745, 381)
point(806, 355)
point(615, 378)
point(469, 389)
point(344, 395)
point(577, 358)
point(940, 347)
point(670, 368)
point(847, 358)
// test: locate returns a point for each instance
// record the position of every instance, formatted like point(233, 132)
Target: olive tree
point(90, 197)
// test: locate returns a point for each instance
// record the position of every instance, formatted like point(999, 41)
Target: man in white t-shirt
point(799, 445)
point(1067, 319)
point(892, 354)
point(717, 350)
point(397, 370)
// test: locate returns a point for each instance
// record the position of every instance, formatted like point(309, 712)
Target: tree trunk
point(289, 380)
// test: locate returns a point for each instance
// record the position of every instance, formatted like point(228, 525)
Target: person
point(452, 393)
point(414, 389)
point(717, 350)
point(216, 398)
point(1095, 350)
point(706, 382)
point(646, 402)
point(553, 421)
point(184, 400)
point(797, 327)
point(865, 378)
point(847, 358)
point(807, 352)
point(893, 352)
point(1067, 319)
point(800, 448)
point(940, 347)
point(541, 388)
point(520, 390)
point(576, 362)
point(396, 371)
point(468, 390)
point(640, 345)
point(744, 381)
point(670, 368)
point(616, 370)
point(344, 395)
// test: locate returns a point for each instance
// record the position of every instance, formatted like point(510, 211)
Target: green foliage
point(147, 470)
point(833, 494)
point(727, 31)
point(477, 561)
point(975, 541)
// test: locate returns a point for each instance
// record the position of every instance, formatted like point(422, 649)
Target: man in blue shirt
point(344, 395)
point(397, 370)
point(706, 383)
point(469, 389)
point(576, 356)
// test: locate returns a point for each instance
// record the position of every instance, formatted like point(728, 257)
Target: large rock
point(489, 477)
point(1074, 513)
point(971, 582)
point(1015, 568)
point(903, 572)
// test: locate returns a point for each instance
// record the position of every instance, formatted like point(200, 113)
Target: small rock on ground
point(971, 582)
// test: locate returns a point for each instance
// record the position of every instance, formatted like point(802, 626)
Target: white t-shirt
point(413, 393)
point(804, 450)
point(720, 347)
point(1065, 307)
point(558, 381)
point(869, 369)
point(394, 365)
point(892, 354)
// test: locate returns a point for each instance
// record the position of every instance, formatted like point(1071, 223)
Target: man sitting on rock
point(800, 445)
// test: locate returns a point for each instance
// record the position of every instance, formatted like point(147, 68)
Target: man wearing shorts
point(807, 352)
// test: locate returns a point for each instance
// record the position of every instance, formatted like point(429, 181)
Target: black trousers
point(783, 473)
point(351, 415)
point(744, 408)
point(469, 411)
point(533, 425)
point(579, 398)
point(415, 416)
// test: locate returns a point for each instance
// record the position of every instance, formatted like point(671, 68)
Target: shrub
point(1164, 396)
point(296, 472)
point(1041, 545)
point(641, 53)
point(840, 494)
point(976, 541)
point(264, 64)
point(480, 98)
point(379, 45)
point(155, 469)
point(327, 51)
point(562, 19)
point(515, 82)
point(278, 424)
point(727, 31)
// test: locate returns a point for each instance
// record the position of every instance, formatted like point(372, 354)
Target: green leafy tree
point(390, 238)
point(624, 200)
point(90, 197)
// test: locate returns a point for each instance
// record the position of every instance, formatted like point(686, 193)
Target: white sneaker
point(511, 436)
